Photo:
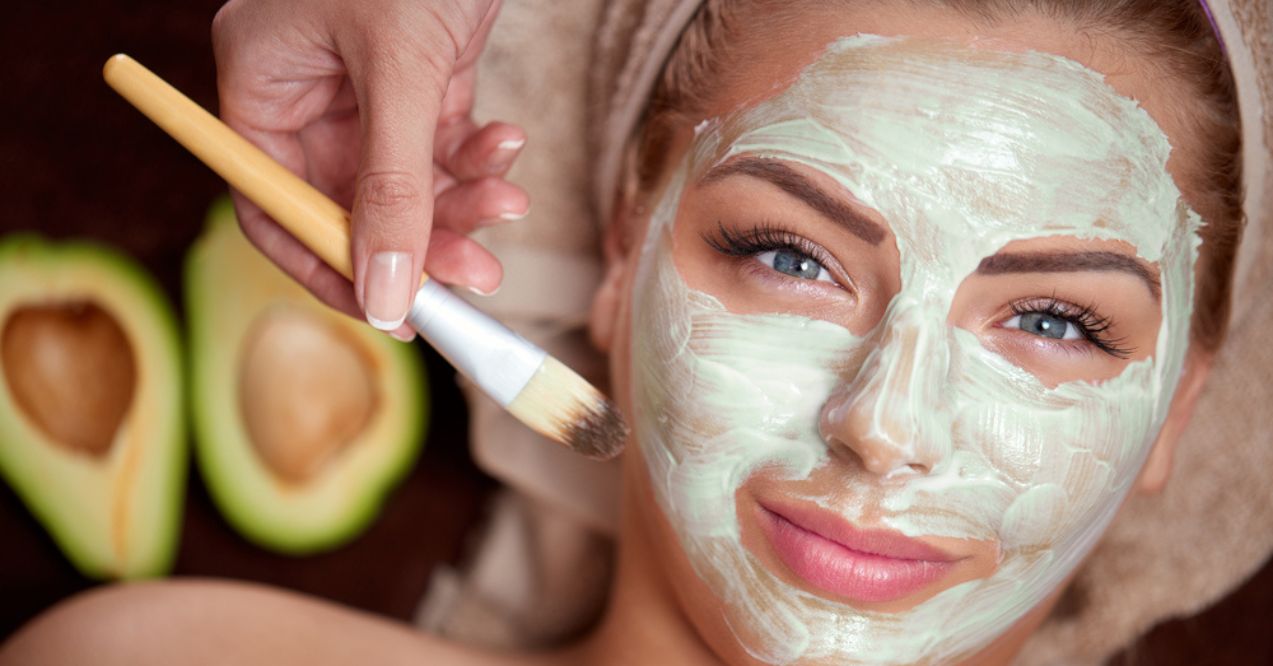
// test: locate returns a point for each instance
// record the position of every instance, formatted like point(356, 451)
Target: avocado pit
point(72, 372)
point(307, 389)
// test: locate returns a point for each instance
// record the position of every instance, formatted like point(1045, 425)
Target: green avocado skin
point(344, 498)
point(118, 516)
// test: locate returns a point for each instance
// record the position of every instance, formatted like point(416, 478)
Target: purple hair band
point(1206, 8)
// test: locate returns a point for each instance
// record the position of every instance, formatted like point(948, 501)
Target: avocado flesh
point(304, 418)
point(91, 407)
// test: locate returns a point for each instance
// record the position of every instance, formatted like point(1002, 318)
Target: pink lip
point(859, 565)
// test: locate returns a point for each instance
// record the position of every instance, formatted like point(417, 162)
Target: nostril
point(879, 463)
point(902, 471)
point(858, 435)
point(877, 459)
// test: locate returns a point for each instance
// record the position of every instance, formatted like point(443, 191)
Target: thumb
point(393, 196)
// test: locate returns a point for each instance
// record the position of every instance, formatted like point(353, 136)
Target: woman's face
point(900, 337)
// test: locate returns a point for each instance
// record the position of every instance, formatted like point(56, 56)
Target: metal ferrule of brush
point(495, 358)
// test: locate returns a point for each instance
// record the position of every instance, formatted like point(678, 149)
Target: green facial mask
point(962, 151)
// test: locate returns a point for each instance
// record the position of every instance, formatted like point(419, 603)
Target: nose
point(894, 415)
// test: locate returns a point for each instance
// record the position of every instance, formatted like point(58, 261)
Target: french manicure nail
point(505, 152)
point(401, 336)
point(387, 290)
point(511, 215)
point(479, 292)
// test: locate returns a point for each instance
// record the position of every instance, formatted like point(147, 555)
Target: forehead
point(972, 145)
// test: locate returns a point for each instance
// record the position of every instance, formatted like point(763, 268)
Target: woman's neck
point(642, 624)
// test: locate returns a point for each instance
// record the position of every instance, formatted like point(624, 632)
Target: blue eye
point(779, 250)
point(796, 264)
point(1045, 325)
point(1056, 319)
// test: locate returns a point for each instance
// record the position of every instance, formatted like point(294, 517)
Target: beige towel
point(540, 570)
point(532, 73)
point(540, 70)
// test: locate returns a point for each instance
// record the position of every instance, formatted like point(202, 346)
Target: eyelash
point(768, 237)
point(1091, 325)
point(764, 238)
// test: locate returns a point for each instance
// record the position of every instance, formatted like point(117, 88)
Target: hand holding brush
point(372, 103)
point(534, 387)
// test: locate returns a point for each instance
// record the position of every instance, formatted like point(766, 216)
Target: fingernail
point(387, 290)
point(505, 152)
point(479, 292)
point(511, 215)
point(402, 336)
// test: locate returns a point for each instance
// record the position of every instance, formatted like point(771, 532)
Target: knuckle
point(394, 25)
point(220, 19)
point(465, 251)
point(223, 23)
point(309, 272)
point(390, 192)
point(441, 30)
point(447, 35)
point(488, 187)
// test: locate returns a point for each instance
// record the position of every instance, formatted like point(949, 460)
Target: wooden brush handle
point(317, 221)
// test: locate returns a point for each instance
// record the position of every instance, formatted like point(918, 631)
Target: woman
point(901, 307)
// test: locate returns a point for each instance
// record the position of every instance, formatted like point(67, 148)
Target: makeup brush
point(534, 387)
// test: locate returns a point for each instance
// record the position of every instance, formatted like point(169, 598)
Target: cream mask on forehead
point(961, 151)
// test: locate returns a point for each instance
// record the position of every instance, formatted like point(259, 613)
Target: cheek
point(719, 395)
point(1069, 453)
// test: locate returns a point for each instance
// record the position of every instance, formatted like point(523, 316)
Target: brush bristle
point(562, 406)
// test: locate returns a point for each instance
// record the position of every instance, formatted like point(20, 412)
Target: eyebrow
point(790, 181)
point(1069, 262)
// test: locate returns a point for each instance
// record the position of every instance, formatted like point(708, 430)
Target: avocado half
point(304, 418)
point(92, 435)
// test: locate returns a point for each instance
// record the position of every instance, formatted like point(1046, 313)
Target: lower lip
point(853, 575)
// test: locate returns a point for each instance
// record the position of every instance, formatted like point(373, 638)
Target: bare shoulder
point(205, 622)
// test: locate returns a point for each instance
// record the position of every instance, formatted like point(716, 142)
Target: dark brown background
point(76, 161)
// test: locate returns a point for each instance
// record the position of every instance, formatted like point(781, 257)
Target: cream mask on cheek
point(961, 151)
